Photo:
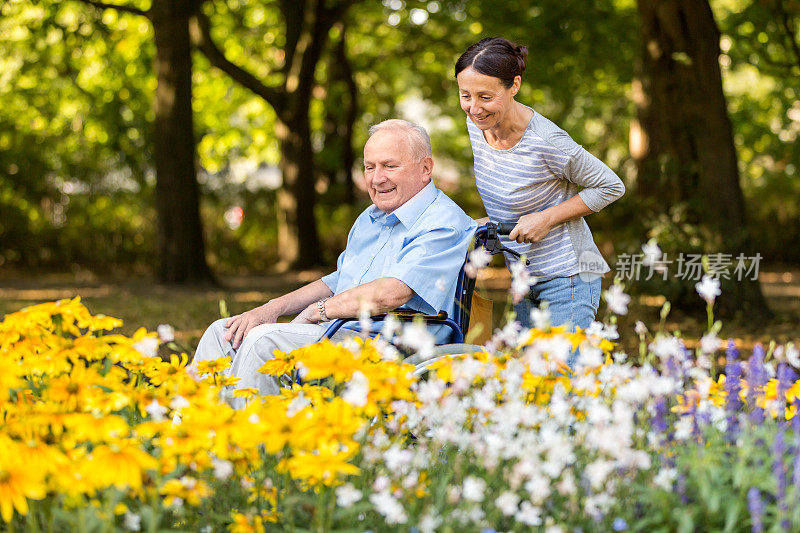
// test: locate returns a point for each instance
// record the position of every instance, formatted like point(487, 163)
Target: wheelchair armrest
point(403, 315)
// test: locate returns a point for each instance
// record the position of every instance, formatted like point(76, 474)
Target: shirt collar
point(410, 211)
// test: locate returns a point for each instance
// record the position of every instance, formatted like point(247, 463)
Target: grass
point(141, 302)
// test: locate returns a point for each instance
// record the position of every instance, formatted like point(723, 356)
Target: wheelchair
point(488, 237)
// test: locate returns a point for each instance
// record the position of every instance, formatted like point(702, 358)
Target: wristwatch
point(321, 309)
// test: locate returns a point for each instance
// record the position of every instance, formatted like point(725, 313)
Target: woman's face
point(484, 98)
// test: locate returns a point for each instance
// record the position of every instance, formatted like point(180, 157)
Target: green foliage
point(77, 87)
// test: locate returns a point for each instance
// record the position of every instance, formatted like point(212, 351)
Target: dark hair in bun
point(496, 57)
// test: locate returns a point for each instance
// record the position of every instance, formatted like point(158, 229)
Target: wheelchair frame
point(486, 236)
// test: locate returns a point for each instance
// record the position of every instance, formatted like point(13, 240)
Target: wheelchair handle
point(504, 228)
point(487, 236)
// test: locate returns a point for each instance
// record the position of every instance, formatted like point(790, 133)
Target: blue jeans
point(572, 301)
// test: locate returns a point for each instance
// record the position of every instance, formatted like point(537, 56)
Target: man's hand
point(240, 325)
point(309, 315)
point(532, 227)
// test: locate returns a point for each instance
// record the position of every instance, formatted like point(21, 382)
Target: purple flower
point(620, 524)
point(779, 471)
point(757, 377)
point(786, 377)
point(733, 386)
point(659, 419)
point(680, 486)
point(756, 507)
point(731, 352)
point(796, 465)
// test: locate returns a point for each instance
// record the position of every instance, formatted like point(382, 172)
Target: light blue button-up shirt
point(423, 243)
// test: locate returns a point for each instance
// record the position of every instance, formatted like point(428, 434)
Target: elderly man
point(404, 250)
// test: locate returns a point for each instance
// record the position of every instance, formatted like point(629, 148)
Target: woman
point(529, 171)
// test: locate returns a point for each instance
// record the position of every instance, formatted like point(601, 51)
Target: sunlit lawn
point(141, 302)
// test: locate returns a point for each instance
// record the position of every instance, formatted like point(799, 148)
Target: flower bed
point(99, 434)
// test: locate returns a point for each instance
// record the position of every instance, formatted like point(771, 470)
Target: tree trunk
point(351, 114)
point(298, 239)
point(683, 142)
point(180, 234)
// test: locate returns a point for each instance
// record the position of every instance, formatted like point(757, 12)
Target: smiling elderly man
point(405, 249)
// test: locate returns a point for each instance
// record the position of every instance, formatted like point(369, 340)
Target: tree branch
point(787, 25)
point(124, 9)
point(200, 31)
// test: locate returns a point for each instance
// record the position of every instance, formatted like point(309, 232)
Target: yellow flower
point(277, 367)
point(213, 367)
point(19, 480)
point(120, 465)
point(246, 393)
point(188, 489)
point(326, 465)
point(246, 524)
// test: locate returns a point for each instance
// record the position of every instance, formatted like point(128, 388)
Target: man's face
point(391, 174)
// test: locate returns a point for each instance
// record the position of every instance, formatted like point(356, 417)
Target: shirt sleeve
point(332, 279)
point(429, 264)
point(601, 185)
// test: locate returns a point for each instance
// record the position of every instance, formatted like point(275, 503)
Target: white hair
point(418, 141)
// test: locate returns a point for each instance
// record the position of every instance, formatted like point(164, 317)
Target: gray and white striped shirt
point(545, 168)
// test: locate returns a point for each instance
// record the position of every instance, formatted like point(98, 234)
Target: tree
point(181, 248)
point(686, 152)
point(306, 24)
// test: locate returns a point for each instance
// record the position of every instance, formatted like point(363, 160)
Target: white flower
point(603, 331)
point(147, 346)
point(590, 356)
point(567, 486)
point(710, 343)
point(298, 404)
point(617, 300)
point(521, 281)
point(507, 503)
point(429, 523)
point(708, 288)
point(417, 337)
point(397, 459)
point(453, 494)
point(430, 391)
point(538, 487)
point(389, 507)
point(391, 327)
point(477, 260)
point(347, 495)
point(179, 402)
point(474, 489)
point(156, 411)
point(222, 469)
point(665, 478)
point(166, 333)
point(792, 355)
point(365, 317)
point(529, 515)
point(509, 335)
point(540, 318)
point(664, 347)
point(380, 484)
point(356, 390)
point(652, 253)
point(598, 471)
point(640, 328)
point(133, 522)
